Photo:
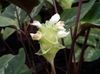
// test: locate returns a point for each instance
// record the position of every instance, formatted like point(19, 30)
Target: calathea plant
point(49, 34)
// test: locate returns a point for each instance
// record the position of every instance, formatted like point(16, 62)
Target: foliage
point(17, 16)
point(10, 64)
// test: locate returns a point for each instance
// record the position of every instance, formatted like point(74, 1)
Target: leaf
point(7, 32)
point(67, 40)
point(10, 12)
point(17, 64)
point(50, 1)
point(95, 33)
point(93, 15)
point(25, 70)
point(23, 15)
point(92, 54)
point(1, 70)
point(69, 15)
point(37, 9)
point(4, 60)
point(4, 21)
point(65, 4)
point(91, 40)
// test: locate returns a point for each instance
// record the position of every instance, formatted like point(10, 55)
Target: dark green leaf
point(4, 60)
point(93, 51)
point(4, 21)
point(17, 64)
point(1, 70)
point(92, 54)
point(37, 9)
point(93, 15)
point(7, 32)
point(69, 15)
point(10, 12)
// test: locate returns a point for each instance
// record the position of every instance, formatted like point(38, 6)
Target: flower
point(36, 23)
point(36, 36)
point(62, 34)
point(55, 18)
point(60, 25)
point(48, 35)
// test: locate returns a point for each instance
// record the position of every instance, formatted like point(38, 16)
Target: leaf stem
point(81, 59)
point(31, 62)
point(70, 71)
point(55, 7)
point(17, 15)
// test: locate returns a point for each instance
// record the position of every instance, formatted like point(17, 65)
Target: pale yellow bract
point(48, 35)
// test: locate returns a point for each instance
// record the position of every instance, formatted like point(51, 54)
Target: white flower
point(36, 23)
point(62, 34)
point(60, 25)
point(61, 28)
point(36, 36)
point(55, 18)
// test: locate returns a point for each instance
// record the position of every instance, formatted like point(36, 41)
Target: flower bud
point(36, 36)
point(37, 24)
point(61, 28)
point(62, 34)
point(55, 18)
point(60, 25)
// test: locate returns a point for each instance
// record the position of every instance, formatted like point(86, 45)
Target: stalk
point(53, 71)
point(71, 70)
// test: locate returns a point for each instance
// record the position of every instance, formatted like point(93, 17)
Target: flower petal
point(60, 23)
point(36, 23)
point(36, 36)
point(55, 18)
point(62, 34)
point(61, 28)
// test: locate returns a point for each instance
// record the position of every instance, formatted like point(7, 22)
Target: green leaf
point(92, 54)
point(91, 40)
point(65, 4)
point(93, 51)
point(95, 33)
point(4, 60)
point(37, 9)
point(22, 15)
point(7, 32)
point(10, 12)
point(25, 70)
point(67, 40)
point(17, 64)
point(1, 70)
point(93, 15)
point(50, 1)
point(4, 21)
point(69, 15)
